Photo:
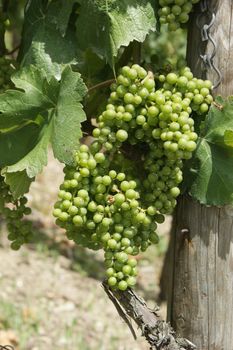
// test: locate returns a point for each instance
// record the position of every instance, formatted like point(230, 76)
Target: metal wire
point(208, 59)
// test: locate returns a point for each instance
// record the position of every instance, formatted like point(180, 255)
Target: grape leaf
point(105, 26)
point(66, 124)
point(17, 106)
point(213, 161)
point(63, 15)
point(12, 149)
point(44, 43)
point(228, 138)
point(19, 183)
point(58, 104)
point(33, 14)
point(34, 161)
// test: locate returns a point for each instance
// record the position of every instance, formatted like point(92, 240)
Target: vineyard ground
point(50, 291)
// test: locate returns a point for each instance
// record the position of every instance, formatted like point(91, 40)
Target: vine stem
point(158, 333)
point(9, 53)
point(101, 85)
point(136, 52)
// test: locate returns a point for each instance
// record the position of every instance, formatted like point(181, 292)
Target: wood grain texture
point(202, 298)
point(201, 302)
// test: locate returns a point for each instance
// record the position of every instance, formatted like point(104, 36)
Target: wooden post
point(201, 300)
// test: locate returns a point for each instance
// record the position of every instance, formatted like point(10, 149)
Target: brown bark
point(158, 333)
point(201, 300)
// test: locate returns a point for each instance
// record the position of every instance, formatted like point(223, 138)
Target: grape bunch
point(175, 12)
point(6, 70)
point(120, 187)
point(13, 211)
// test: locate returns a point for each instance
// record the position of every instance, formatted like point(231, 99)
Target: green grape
point(112, 201)
point(175, 12)
point(122, 285)
point(13, 211)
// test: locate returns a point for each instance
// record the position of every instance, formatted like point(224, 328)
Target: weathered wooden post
point(201, 300)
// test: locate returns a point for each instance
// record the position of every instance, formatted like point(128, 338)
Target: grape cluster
point(120, 186)
point(175, 12)
point(99, 207)
point(13, 212)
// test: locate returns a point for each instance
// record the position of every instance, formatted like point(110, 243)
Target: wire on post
point(208, 59)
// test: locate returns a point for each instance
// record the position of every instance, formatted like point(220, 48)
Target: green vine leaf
point(61, 20)
point(68, 116)
point(114, 23)
point(228, 138)
point(212, 166)
point(34, 161)
point(12, 149)
point(57, 104)
point(36, 95)
point(47, 40)
point(19, 183)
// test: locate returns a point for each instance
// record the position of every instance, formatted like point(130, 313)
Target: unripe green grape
point(198, 99)
point(152, 111)
point(182, 81)
point(149, 84)
point(137, 100)
point(187, 7)
point(175, 191)
point(77, 220)
point(165, 11)
point(105, 237)
point(132, 262)
point(171, 78)
point(176, 10)
point(151, 210)
point(57, 212)
point(15, 245)
point(132, 74)
point(128, 98)
point(121, 135)
point(171, 18)
point(116, 236)
point(63, 216)
point(122, 257)
point(140, 119)
point(143, 93)
point(131, 281)
point(120, 176)
point(97, 218)
point(112, 174)
point(183, 17)
point(154, 238)
point(122, 285)
point(112, 281)
point(112, 244)
point(110, 272)
point(114, 215)
point(127, 269)
point(99, 157)
point(119, 198)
